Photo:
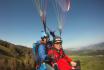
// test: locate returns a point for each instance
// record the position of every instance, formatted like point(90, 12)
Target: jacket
point(60, 58)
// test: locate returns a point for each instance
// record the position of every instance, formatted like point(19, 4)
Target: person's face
point(57, 46)
point(45, 40)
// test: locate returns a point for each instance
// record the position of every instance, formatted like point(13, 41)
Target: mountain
point(15, 57)
point(95, 49)
point(99, 46)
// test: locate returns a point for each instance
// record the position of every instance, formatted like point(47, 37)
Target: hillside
point(15, 57)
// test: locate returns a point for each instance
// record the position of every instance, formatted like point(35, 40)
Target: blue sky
point(84, 24)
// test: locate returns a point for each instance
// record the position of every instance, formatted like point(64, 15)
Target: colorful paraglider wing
point(64, 4)
point(61, 7)
point(42, 6)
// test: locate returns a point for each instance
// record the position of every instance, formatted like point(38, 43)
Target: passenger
point(59, 59)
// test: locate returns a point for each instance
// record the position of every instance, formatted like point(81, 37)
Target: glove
point(55, 66)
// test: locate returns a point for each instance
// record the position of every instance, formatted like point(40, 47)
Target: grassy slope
point(90, 62)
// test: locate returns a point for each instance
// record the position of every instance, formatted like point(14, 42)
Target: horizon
point(78, 47)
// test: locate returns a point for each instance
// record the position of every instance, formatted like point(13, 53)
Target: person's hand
point(73, 68)
point(73, 63)
point(55, 66)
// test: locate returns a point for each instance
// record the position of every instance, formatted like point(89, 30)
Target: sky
point(84, 23)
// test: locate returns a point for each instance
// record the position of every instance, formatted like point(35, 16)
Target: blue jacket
point(42, 52)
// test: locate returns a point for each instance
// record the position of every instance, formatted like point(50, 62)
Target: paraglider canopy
point(64, 5)
point(41, 7)
point(60, 7)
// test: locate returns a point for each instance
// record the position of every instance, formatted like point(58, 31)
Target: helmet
point(57, 39)
point(44, 35)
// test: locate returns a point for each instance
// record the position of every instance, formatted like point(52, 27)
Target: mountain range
point(94, 49)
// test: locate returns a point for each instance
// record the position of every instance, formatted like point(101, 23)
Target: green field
point(90, 62)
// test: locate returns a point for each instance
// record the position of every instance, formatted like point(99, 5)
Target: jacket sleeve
point(67, 58)
point(50, 52)
point(42, 52)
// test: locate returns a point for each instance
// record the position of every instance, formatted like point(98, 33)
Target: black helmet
point(57, 39)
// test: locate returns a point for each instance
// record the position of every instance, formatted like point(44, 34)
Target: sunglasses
point(58, 43)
